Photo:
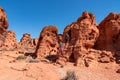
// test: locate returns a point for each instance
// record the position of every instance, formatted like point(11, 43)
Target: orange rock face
point(109, 38)
point(48, 42)
point(27, 41)
point(3, 25)
point(7, 38)
point(78, 37)
point(109, 28)
point(34, 41)
point(3, 21)
point(10, 40)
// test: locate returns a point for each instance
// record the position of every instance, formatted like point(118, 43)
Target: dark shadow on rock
point(33, 55)
point(51, 58)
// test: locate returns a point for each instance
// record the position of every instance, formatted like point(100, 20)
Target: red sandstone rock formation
point(10, 40)
point(3, 21)
point(34, 41)
point(78, 37)
point(7, 38)
point(75, 44)
point(3, 25)
point(48, 42)
point(109, 38)
point(27, 42)
point(94, 56)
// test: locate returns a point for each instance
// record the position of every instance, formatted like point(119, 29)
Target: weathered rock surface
point(78, 37)
point(3, 25)
point(118, 71)
point(105, 57)
point(2, 40)
point(27, 45)
point(48, 42)
point(3, 21)
point(78, 41)
point(10, 40)
point(27, 42)
point(34, 41)
point(109, 38)
point(7, 38)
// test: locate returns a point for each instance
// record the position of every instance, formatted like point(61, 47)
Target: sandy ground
point(12, 69)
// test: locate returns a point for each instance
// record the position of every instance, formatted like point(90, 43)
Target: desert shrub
point(33, 61)
point(21, 57)
point(70, 76)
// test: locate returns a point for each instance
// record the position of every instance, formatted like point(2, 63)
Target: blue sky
point(30, 16)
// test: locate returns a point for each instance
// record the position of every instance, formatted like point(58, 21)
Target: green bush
point(21, 57)
point(70, 76)
point(32, 61)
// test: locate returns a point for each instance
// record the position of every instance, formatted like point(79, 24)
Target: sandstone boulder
point(48, 42)
point(78, 37)
point(105, 57)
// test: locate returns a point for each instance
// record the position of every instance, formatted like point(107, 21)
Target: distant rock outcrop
point(78, 37)
point(10, 40)
point(27, 42)
point(48, 42)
